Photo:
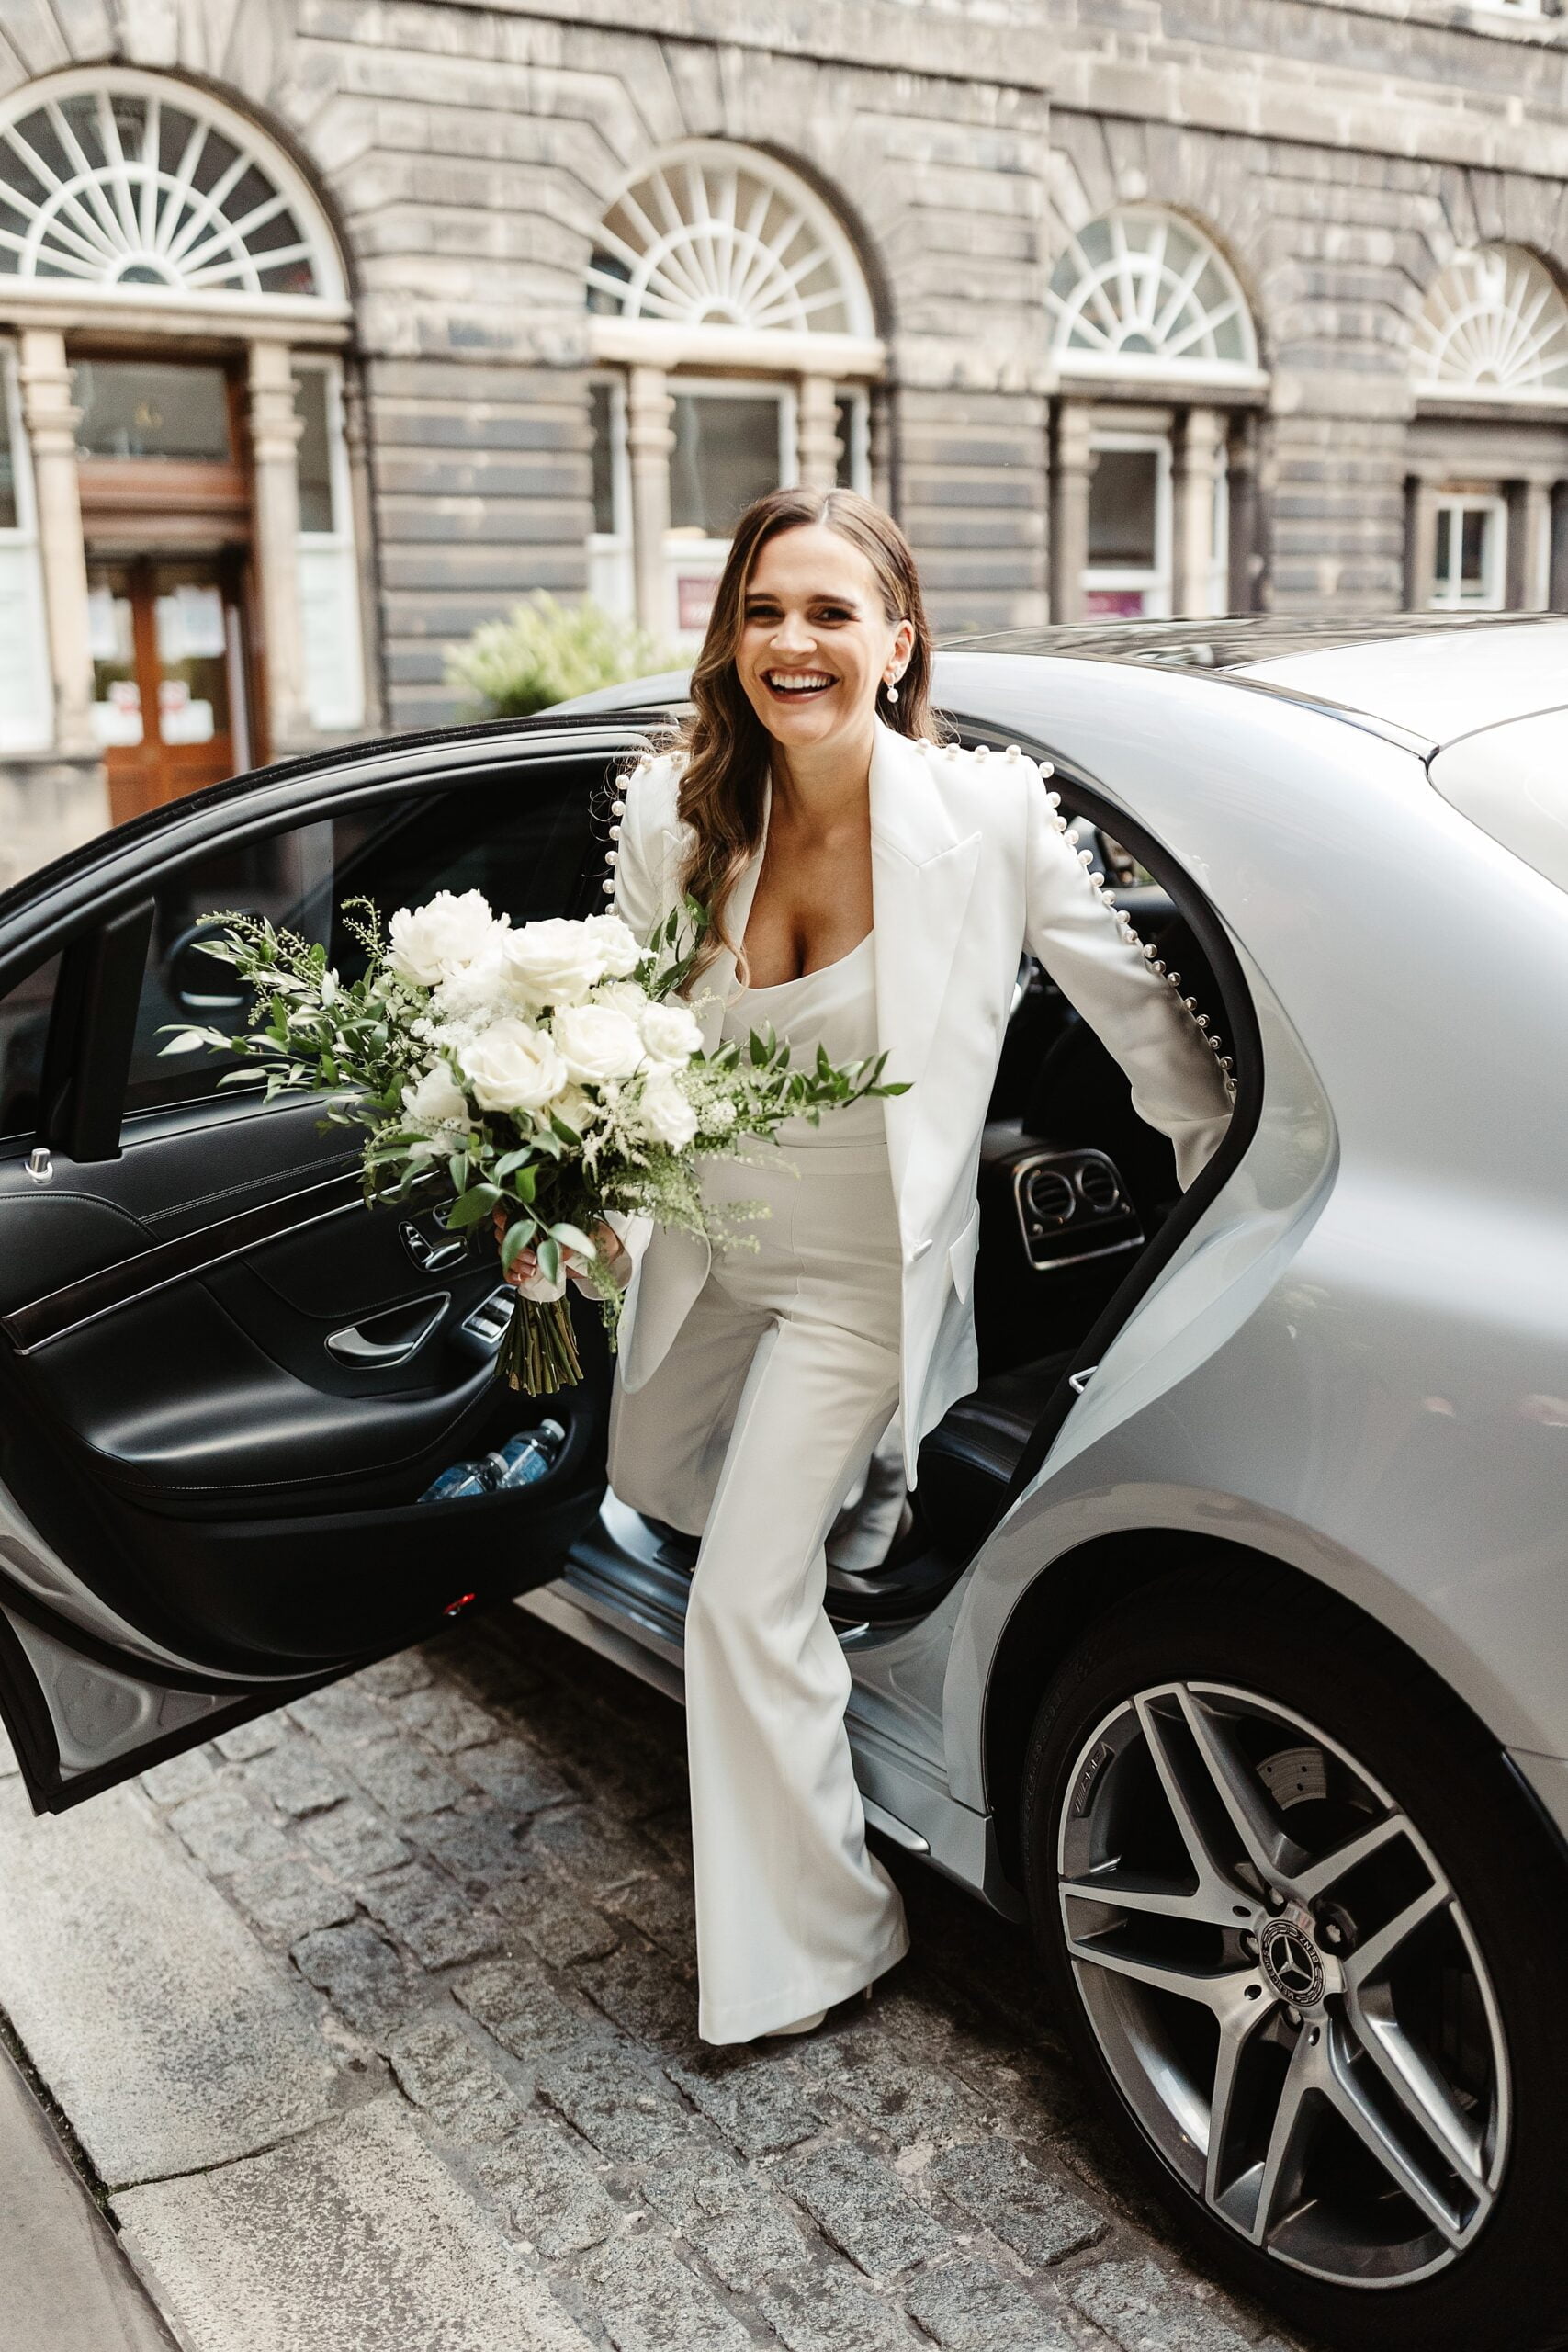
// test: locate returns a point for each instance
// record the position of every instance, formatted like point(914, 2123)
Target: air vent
point(1099, 1187)
point(1049, 1196)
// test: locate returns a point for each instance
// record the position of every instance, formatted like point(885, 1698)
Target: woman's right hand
point(525, 1265)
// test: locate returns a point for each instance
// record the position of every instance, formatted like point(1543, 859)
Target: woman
point(871, 890)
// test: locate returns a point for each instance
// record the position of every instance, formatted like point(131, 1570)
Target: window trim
point(611, 570)
point(1124, 577)
point(1460, 503)
point(20, 542)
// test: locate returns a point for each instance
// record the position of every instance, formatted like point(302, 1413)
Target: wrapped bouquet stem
point(551, 1072)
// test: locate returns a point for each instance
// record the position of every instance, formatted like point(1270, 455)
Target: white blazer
point(971, 862)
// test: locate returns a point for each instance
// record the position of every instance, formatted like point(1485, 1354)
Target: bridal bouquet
point(550, 1071)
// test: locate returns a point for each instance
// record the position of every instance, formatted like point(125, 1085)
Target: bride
point(870, 889)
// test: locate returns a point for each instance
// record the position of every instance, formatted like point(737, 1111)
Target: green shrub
point(545, 653)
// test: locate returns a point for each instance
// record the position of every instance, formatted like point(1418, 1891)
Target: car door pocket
point(381, 1342)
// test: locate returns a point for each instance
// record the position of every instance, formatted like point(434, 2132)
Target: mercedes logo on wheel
point(1290, 1964)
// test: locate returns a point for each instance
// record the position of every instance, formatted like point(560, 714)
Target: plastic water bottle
point(525, 1458)
point(520, 1462)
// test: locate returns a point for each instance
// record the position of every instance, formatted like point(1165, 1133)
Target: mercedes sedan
point(1224, 1632)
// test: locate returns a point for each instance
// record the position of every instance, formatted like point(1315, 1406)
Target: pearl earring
point(892, 690)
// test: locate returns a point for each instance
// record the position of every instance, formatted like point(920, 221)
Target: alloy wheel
point(1283, 1984)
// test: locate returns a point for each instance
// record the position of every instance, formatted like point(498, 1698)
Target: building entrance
point(169, 683)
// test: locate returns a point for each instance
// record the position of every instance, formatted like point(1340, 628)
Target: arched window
point(1142, 292)
point(126, 182)
point(1494, 327)
point(715, 235)
point(733, 327)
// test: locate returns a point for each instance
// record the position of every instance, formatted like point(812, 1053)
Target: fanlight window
point(1141, 292)
point(720, 236)
point(120, 180)
point(1495, 327)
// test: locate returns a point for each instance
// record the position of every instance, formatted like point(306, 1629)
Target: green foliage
point(545, 652)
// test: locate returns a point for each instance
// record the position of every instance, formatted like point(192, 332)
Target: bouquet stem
point(539, 1354)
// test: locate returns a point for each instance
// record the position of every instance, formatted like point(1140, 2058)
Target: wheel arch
point(1084, 1583)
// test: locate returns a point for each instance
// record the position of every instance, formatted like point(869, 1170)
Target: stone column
point(649, 442)
point(274, 454)
point(1529, 525)
point(1420, 542)
point(52, 423)
point(881, 446)
point(1072, 470)
point(1195, 465)
point(1558, 598)
point(356, 443)
point(1243, 557)
point(818, 447)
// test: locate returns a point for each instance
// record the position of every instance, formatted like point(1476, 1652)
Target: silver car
point(1223, 1633)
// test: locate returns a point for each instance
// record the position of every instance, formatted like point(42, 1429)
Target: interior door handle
point(387, 1340)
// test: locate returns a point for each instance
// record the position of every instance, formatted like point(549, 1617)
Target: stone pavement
point(376, 2020)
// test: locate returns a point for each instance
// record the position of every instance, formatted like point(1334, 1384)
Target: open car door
point(225, 1383)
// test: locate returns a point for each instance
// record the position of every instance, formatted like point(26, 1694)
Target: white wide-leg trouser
point(760, 1421)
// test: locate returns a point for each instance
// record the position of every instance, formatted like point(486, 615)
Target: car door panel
point(226, 1489)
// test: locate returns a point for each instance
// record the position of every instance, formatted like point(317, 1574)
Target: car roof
point(1435, 675)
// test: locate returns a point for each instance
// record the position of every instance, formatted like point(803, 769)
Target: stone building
point(329, 327)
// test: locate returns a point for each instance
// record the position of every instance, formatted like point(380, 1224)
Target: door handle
point(389, 1339)
point(429, 1254)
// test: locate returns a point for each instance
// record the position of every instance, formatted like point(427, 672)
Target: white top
point(834, 1006)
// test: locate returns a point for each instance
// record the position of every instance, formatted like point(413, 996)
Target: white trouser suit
point(752, 1386)
point(757, 1424)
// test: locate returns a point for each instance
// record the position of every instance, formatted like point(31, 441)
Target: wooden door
point(169, 677)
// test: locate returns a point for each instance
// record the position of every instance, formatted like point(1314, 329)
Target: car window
point(524, 840)
point(24, 1025)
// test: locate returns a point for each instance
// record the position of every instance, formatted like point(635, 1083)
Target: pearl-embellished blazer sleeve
point(1094, 956)
point(637, 860)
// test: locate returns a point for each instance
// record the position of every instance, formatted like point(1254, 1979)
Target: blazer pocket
point(961, 1256)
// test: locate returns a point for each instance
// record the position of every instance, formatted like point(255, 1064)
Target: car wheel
point(1306, 1933)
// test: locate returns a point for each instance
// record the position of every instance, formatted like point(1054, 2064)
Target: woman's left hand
point(524, 1267)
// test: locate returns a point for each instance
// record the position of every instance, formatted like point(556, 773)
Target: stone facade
point(1335, 154)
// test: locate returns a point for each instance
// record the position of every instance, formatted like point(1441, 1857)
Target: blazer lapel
point(922, 871)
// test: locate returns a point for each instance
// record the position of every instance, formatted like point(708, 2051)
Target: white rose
point(436, 1100)
point(443, 937)
point(556, 961)
point(666, 1114)
point(596, 1041)
point(616, 942)
point(626, 996)
point(672, 1032)
point(577, 1107)
point(513, 1067)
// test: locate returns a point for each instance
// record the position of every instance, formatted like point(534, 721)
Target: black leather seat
point(968, 1459)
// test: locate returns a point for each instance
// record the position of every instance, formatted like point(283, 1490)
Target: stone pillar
point(1072, 470)
point(1558, 598)
point(52, 423)
point(1243, 557)
point(882, 447)
point(356, 443)
point(1530, 525)
point(274, 456)
point(1420, 542)
point(818, 447)
point(1195, 465)
point(649, 442)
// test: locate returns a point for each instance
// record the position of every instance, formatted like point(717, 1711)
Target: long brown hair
point(726, 745)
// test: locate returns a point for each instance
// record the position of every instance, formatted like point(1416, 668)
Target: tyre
point(1308, 1937)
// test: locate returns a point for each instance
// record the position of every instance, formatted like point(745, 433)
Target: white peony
point(513, 1067)
point(596, 1041)
point(616, 942)
point(555, 962)
point(671, 1033)
point(436, 1100)
point(666, 1114)
point(445, 936)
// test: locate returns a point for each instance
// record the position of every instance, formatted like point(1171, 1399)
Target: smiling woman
point(869, 891)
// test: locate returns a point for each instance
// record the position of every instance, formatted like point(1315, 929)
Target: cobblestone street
point(478, 1856)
